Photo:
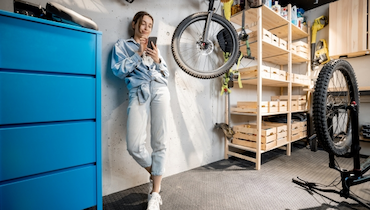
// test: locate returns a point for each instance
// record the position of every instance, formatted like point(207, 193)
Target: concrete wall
point(196, 105)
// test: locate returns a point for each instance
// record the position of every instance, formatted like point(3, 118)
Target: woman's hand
point(153, 53)
point(143, 44)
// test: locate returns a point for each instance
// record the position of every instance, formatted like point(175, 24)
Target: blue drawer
point(27, 45)
point(68, 190)
point(27, 98)
point(29, 150)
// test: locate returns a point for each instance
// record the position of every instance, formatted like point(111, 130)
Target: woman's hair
point(139, 17)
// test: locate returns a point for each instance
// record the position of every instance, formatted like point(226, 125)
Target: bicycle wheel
point(335, 89)
point(204, 60)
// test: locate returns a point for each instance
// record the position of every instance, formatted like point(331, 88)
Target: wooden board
point(347, 28)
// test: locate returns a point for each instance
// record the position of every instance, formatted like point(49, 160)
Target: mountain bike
point(205, 45)
point(335, 118)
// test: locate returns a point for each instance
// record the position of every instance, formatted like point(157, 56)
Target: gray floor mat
point(234, 184)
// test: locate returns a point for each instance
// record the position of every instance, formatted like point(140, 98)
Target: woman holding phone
point(145, 74)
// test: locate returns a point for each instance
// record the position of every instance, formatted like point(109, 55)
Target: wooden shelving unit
point(256, 20)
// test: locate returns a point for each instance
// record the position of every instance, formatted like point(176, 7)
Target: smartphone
point(150, 40)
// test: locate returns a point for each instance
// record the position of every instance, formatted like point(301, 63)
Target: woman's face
point(145, 28)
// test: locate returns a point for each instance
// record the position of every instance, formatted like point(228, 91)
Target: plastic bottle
point(268, 3)
point(294, 15)
point(276, 7)
point(284, 13)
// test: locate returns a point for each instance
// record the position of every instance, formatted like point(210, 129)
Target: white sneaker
point(154, 202)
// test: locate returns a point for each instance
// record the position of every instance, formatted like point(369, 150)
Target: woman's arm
point(122, 63)
point(162, 67)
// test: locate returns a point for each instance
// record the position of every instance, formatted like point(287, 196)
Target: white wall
point(196, 105)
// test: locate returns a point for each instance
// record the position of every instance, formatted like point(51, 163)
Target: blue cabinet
point(50, 115)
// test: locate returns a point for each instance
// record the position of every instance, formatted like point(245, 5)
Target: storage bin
point(274, 40)
point(282, 75)
point(266, 36)
point(252, 72)
point(246, 135)
point(283, 44)
point(251, 106)
point(283, 106)
point(273, 107)
point(274, 73)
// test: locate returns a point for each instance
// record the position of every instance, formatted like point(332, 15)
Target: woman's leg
point(160, 106)
point(137, 118)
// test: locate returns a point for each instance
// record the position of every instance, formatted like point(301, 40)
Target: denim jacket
point(128, 65)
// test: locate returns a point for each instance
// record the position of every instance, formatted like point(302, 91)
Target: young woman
point(145, 74)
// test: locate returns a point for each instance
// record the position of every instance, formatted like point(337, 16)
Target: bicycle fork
point(208, 23)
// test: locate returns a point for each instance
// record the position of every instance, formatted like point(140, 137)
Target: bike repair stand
point(348, 178)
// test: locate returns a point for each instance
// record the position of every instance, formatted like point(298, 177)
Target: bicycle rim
point(199, 59)
point(336, 87)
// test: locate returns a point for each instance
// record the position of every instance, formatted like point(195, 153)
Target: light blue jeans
point(155, 108)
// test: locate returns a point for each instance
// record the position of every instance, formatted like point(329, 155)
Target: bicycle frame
point(348, 178)
point(210, 14)
point(356, 176)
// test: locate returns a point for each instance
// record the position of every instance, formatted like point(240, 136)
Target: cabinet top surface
point(47, 22)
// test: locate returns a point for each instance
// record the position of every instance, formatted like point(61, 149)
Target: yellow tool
point(321, 53)
point(318, 24)
point(227, 8)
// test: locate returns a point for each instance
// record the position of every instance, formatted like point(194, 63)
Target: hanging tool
point(318, 24)
point(321, 53)
point(227, 8)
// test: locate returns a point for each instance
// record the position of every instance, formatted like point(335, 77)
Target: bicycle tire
point(178, 49)
point(326, 97)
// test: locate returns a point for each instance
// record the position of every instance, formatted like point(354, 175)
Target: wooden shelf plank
point(254, 114)
point(270, 21)
point(271, 82)
point(265, 82)
point(273, 54)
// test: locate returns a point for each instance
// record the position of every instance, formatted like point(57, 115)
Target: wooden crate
point(253, 144)
point(296, 128)
point(273, 107)
point(274, 40)
point(283, 44)
point(251, 106)
point(274, 73)
point(285, 98)
point(302, 49)
point(300, 44)
point(252, 72)
point(282, 75)
point(252, 129)
point(266, 36)
point(295, 136)
point(302, 105)
point(293, 48)
point(281, 141)
point(283, 106)
point(281, 128)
